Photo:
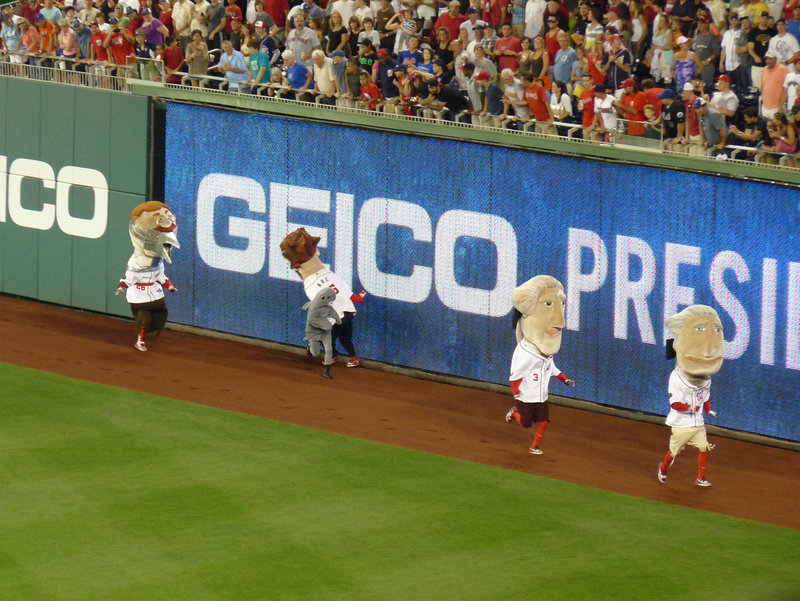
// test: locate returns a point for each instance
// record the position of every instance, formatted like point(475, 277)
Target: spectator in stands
point(51, 12)
point(514, 104)
point(604, 126)
point(586, 100)
point(325, 88)
point(382, 18)
point(366, 56)
point(692, 140)
point(707, 49)
point(98, 57)
point(632, 107)
point(724, 101)
point(412, 54)
point(784, 44)
point(339, 67)
point(426, 62)
point(560, 102)
point(441, 97)
point(685, 63)
point(551, 37)
point(565, 58)
point(728, 58)
point(783, 135)
point(154, 30)
point(468, 26)
point(11, 40)
point(507, 50)
point(302, 41)
point(134, 20)
point(672, 120)
point(352, 82)
point(488, 40)
point(196, 57)
point(370, 94)
point(493, 99)
point(278, 10)
point(182, 21)
point(755, 129)
point(714, 131)
point(616, 63)
point(165, 15)
point(403, 27)
point(370, 33)
point(790, 83)
point(539, 106)
point(451, 20)
point(199, 20)
point(684, 11)
point(173, 60)
point(758, 44)
point(382, 74)
point(298, 77)
point(233, 66)
point(238, 35)
point(31, 10)
point(495, 12)
point(442, 47)
point(259, 69)
point(306, 9)
point(217, 20)
point(267, 42)
point(346, 8)
point(122, 46)
point(754, 9)
point(773, 77)
point(793, 26)
point(483, 64)
point(554, 9)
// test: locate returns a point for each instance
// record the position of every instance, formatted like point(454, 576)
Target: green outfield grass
point(109, 494)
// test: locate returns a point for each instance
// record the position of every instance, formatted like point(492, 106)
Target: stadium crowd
point(700, 77)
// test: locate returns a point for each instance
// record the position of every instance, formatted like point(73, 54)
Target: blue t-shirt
point(493, 99)
point(793, 27)
point(562, 69)
point(409, 58)
point(296, 75)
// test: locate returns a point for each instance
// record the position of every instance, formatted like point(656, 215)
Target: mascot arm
point(680, 406)
point(515, 387)
point(170, 286)
point(707, 408)
point(121, 287)
point(567, 382)
point(358, 297)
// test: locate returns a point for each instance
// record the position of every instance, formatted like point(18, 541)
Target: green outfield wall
point(73, 163)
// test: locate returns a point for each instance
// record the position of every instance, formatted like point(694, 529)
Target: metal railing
point(107, 75)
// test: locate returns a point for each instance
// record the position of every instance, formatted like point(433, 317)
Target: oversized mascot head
point(300, 249)
point(153, 232)
point(541, 302)
point(699, 343)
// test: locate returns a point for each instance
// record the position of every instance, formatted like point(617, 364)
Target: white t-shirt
point(790, 83)
point(785, 47)
point(535, 371)
point(607, 112)
point(681, 391)
point(729, 45)
point(144, 283)
point(325, 278)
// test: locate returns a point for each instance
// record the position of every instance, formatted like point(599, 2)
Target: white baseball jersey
point(681, 391)
point(535, 371)
point(325, 278)
point(144, 283)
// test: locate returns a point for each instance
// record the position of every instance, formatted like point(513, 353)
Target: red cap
point(724, 78)
point(383, 52)
point(628, 83)
point(482, 76)
point(614, 36)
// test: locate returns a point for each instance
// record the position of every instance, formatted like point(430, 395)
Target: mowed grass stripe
point(112, 494)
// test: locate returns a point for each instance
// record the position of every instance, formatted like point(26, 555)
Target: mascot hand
point(170, 286)
point(570, 383)
point(712, 413)
point(121, 288)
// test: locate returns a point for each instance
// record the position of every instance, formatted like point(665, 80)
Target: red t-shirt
point(277, 9)
point(587, 97)
point(134, 24)
point(636, 101)
point(166, 18)
point(173, 57)
point(552, 45)
point(597, 75)
point(537, 101)
point(122, 49)
point(508, 62)
point(692, 122)
point(371, 93)
point(494, 14)
point(97, 40)
point(652, 98)
point(451, 23)
point(230, 12)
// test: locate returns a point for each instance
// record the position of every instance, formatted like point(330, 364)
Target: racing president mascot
point(699, 347)
point(153, 234)
point(300, 249)
point(539, 305)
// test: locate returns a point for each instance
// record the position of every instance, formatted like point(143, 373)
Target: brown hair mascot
point(153, 234)
point(300, 249)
